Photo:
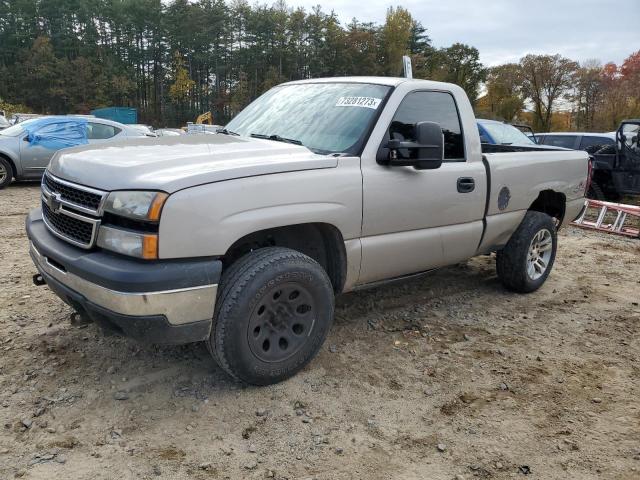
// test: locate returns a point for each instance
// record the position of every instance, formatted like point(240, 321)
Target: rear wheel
point(6, 173)
point(274, 310)
point(526, 261)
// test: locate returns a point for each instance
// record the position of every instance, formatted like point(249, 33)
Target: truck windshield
point(324, 117)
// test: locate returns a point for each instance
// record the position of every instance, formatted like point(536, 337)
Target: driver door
point(417, 220)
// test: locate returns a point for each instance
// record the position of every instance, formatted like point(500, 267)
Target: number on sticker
point(363, 102)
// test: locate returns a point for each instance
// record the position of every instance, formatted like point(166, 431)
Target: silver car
point(22, 161)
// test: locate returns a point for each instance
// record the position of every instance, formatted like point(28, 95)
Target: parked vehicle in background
point(4, 123)
point(576, 140)
point(241, 239)
point(21, 117)
point(199, 128)
point(616, 167)
point(168, 132)
point(22, 159)
point(500, 133)
point(143, 129)
point(527, 130)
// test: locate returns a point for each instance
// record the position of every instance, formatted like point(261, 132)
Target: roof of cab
point(388, 81)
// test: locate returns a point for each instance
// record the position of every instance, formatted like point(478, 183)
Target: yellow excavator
point(205, 118)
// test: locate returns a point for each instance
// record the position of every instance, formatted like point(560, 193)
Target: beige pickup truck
point(319, 187)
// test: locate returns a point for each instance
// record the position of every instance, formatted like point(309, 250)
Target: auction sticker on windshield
point(364, 102)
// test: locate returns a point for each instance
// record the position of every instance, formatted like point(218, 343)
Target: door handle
point(466, 184)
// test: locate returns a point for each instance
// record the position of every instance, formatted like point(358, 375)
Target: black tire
point(595, 192)
point(512, 262)
point(260, 336)
point(6, 172)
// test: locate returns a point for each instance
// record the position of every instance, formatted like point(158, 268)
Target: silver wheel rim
point(3, 173)
point(539, 254)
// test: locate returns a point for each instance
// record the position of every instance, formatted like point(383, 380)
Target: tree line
point(174, 60)
point(563, 94)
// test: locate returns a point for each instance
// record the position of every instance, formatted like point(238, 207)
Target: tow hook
point(38, 281)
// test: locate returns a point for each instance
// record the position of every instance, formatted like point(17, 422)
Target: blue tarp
point(57, 133)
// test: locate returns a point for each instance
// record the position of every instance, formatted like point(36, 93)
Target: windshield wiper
point(224, 131)
point(276, 138)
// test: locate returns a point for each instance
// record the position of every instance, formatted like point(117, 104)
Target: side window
point(436, 107)
point(589, 141)
point(100, 131)
point(564, 141)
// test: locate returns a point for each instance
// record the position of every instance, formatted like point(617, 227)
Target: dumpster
point(125, 115)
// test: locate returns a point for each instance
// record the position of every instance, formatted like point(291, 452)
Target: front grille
point(74, 195)
point(66, 226)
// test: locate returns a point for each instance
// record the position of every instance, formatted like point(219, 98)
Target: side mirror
point(426, 153)
point(26, 138)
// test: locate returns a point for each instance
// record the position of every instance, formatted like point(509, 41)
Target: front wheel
point(525, 262)
point(273, 313)
point(6, 173)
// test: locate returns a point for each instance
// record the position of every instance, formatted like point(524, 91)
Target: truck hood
point(174, 163)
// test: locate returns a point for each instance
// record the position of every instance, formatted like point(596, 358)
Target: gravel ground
point(446, 377)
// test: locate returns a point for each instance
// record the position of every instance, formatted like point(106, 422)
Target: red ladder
point(620, 210)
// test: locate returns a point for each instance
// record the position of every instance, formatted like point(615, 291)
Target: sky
point(506, 30)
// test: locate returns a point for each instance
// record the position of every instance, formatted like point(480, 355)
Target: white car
point(168, 132)
point(143, 129)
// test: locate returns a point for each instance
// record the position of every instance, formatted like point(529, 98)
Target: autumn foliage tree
point(545, 81)
point(562, 94)
point(70, 56)
point(589, 92)
point(181, 88)
point(504, 98)
point(606, 95)
point(396, 37)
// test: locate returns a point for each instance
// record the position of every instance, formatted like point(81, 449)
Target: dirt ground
point(446, 377)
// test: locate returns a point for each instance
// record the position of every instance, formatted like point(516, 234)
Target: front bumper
point(164, 301)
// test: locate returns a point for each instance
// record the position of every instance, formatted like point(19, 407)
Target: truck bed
point(515, 180)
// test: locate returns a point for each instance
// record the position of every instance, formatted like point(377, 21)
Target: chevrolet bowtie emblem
point(53, 202)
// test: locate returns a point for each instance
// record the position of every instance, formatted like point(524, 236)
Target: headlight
point(128, 242)
point(136, 205)
point(143, 206)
